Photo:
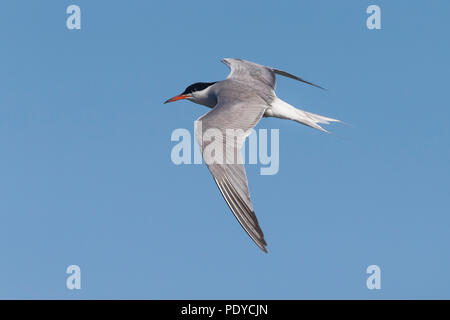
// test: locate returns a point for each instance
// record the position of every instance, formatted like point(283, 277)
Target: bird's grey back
point(247, 80)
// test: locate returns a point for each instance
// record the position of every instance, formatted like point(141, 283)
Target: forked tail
point(284, 110)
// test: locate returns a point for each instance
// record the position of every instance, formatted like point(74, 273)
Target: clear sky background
point(86, 176)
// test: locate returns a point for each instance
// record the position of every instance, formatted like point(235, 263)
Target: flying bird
point(238, 103)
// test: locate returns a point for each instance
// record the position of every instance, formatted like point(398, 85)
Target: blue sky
point(86, 175)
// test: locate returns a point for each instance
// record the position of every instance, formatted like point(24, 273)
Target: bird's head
point(197, 92)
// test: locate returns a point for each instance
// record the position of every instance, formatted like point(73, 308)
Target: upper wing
point(245, 70)
point(250, 72)
point(221, 152)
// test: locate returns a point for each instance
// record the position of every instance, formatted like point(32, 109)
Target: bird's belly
point(268, 112)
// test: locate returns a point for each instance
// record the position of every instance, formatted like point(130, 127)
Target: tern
point(238, 103)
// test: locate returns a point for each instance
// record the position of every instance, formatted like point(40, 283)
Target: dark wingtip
point(317, 86)
point(311, 84)
point(288, 75)
point(262, 245)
